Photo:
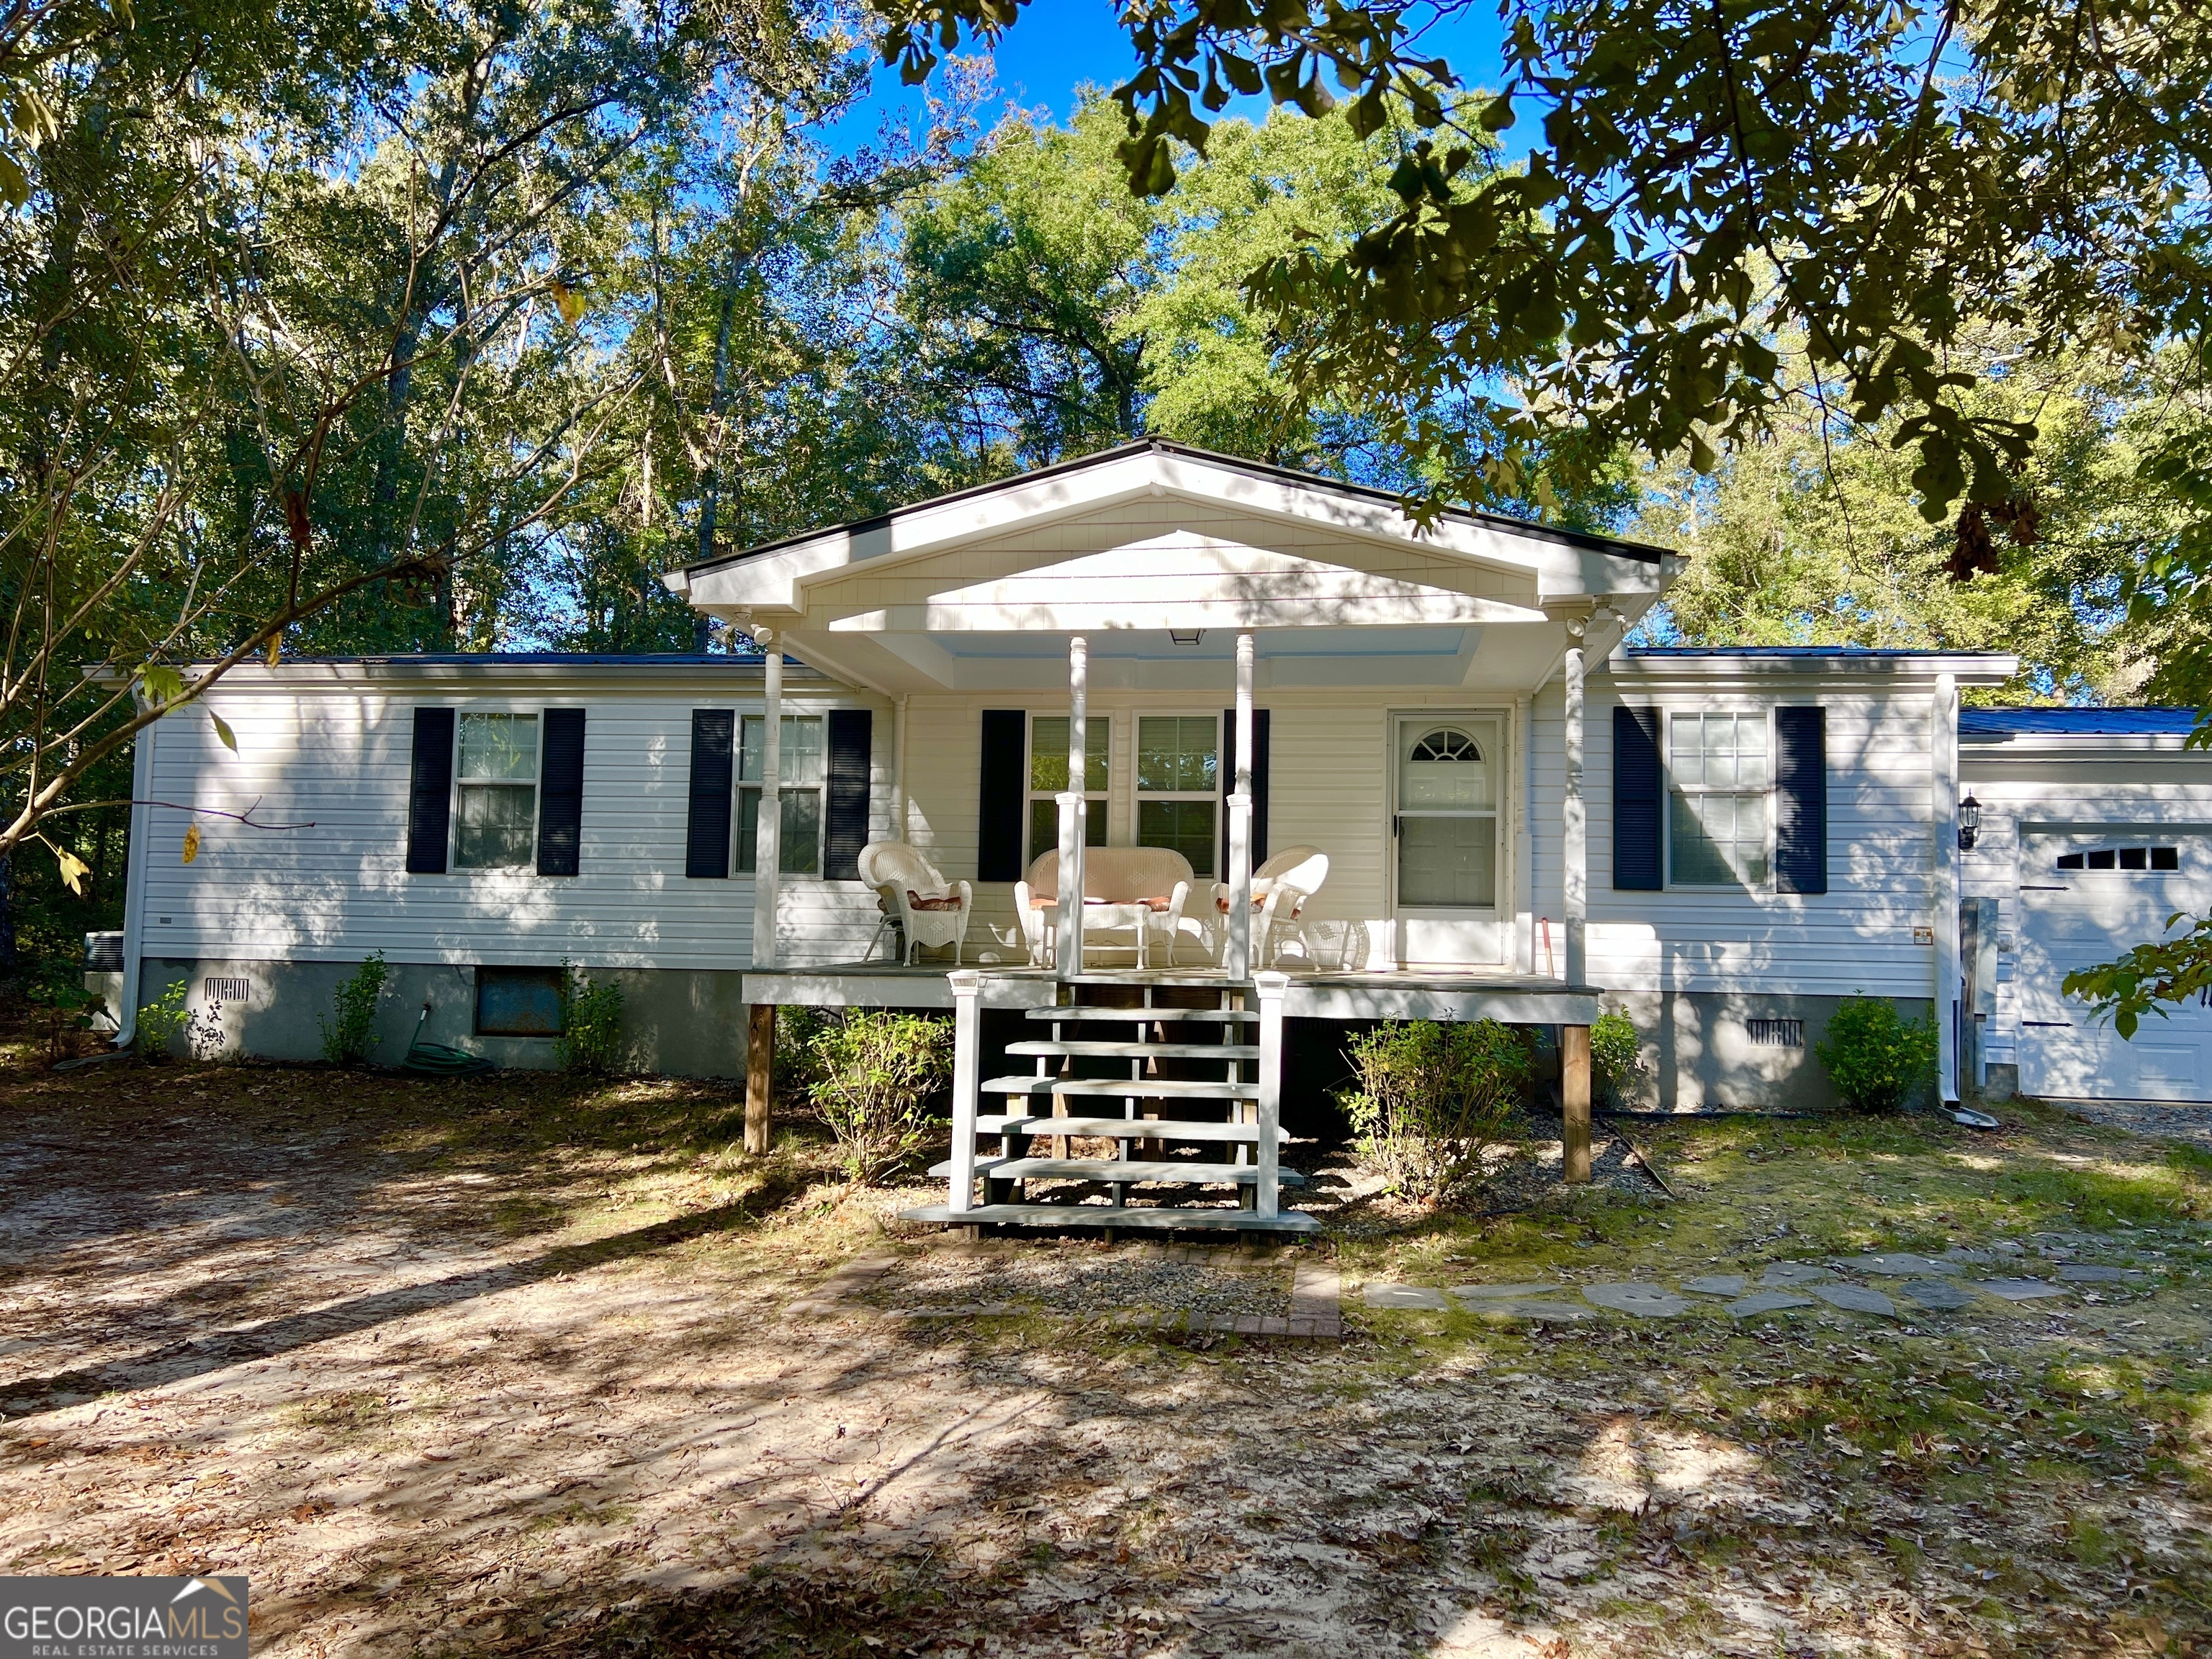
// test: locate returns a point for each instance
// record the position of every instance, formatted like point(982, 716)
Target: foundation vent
point(226, 990)
point(1777, 1033)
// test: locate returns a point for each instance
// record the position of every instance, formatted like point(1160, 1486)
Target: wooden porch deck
point(1408, 993)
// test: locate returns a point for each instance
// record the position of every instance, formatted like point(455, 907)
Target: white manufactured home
point(1306, 761)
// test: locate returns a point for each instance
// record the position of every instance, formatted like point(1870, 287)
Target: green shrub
point(350, 1035)
point(877, 1070)
point(1877, 1058)
point(797, 1066)
point(160, 1022)
point(590, 1025)
point(1616, 1054)
point(1434, 1099)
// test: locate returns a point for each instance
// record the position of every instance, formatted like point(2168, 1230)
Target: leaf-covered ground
point(518, 1367)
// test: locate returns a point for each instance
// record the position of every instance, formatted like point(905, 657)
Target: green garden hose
point(436, 1060)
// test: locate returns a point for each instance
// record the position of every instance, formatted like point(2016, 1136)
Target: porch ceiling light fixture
point(1186, 635)
point(1970, 824)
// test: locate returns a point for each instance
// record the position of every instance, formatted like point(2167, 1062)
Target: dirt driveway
point(524, 1366)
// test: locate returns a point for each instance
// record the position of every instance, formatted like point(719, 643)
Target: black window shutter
point(430, 792)
point(1637, 865)
point(560, 793)
point(1259, 785)
point(1002, 810)
point(1801, 800)
point(707, 831)
point(851, 741)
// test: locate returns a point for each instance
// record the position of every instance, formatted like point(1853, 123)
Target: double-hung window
point(498, 792)
point(1718, 779)
point(799, 772)
point(1178, 781)
point(1049, 778)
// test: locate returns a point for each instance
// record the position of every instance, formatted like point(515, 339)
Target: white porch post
point(1943, 886)
point(898, 769)
point(967, 1029)
point(1073, 807)
point(1575, 852)
point(767, 857)
point(1240, 822)
point(1267, 1197)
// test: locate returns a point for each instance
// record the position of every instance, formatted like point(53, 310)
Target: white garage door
point(2085, 896)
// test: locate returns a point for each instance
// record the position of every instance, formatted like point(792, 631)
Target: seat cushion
point(939, 902)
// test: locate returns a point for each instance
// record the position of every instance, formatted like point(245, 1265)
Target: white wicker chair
point(1280, 888)
point(931, 910)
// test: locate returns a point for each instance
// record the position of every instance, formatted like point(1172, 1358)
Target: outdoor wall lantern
point(1186, 635)
point(1970, 824)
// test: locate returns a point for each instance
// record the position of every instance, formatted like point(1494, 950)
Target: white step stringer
point(1099, 1076)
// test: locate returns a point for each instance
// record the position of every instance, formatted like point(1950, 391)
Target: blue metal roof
point(1793, 651)
point(1986, 722)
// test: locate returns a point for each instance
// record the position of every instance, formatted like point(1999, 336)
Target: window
point(498, 828)
point(518, 1001)
point(2122, 858)
point(1717, 777)
point(799, 769)
point(1178, 778)
point(1446, 817)
point(1049, 778)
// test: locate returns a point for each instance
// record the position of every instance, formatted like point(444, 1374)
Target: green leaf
point(223, 730)
point(161, 683)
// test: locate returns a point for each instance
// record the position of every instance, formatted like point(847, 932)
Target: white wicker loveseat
point(1151, 879)
point(930, 910)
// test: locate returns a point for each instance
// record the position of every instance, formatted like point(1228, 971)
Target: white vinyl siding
point(338, 760)
point(1857, 938)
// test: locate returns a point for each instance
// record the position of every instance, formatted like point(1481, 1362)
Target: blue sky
point(1062, 45)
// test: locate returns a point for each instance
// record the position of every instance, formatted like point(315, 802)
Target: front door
point(1449, 773)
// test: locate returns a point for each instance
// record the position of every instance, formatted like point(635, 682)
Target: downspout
point(134, 881)
point(1943, 825)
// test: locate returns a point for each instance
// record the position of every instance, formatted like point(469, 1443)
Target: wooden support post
point(1575, 1101)
point(760, 1076)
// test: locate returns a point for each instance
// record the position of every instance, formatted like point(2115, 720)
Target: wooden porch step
point(1143, 1087)
point(1147, 1016)
point(1165, 1218)
point(1128, 1128)
point(1187, 1171)
point(1075, 1049)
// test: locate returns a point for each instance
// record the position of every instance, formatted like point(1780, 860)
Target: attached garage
point(2086, 894)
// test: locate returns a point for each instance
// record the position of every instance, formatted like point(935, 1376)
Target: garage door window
point(2122, 858)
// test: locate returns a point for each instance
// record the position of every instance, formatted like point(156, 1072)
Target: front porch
point(1308, 993)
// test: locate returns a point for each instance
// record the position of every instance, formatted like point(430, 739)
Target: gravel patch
point(1084, 1279)
point(2160, 1118)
